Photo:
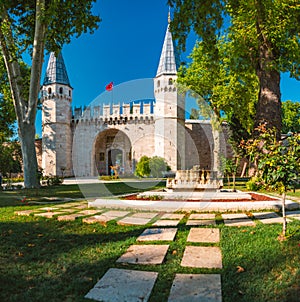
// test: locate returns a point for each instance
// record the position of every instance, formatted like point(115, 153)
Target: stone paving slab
point(64, 205)
point(144, 215)
point(48, 214)
point(144, 254)
point(25, 212)
point(115, 214)
point(95, 219)
point(89, 212)
point(195, 288)
point(48, 209)
point(273, 220)
point(120, 285)
point(172, 216)
point(202, 216)
point(158, 234)
point(235, 216)
point(81, 207)
point(269, 217)
point(204, 235)
point(265, 215)
point(292, 213)
point(66, 210)
point(239, 222)
point(202, 257)
point(195, 222)
point(70, 217)
point(166, 222)
point(133, 221)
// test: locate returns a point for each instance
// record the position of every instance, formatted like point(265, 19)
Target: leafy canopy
point(290, 117)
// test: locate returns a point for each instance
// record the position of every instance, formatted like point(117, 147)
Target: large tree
point(31, 27)
point(264, 37)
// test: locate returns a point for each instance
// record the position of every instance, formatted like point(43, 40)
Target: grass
point(44, 259)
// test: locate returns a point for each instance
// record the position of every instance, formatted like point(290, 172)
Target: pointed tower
point(56, 96)
point(169, 107)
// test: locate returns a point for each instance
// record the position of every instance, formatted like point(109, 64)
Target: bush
point(254, 184)
point(143, 167)
point(107, 177)
point(53, 180)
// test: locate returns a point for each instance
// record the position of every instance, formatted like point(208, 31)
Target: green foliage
point(10, 158)
point(219, 83)
point(194, 114)
point(278, 161)
point(254, 184)
point(245, 44)
point(290, 117)
point(158, 166)
point(143, 167)
point(53, 180)
point(151, 166)
point(30, 27)
point(108, 177)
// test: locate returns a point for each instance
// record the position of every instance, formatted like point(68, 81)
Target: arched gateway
point(112, 147)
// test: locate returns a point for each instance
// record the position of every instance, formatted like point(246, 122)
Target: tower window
point(158, 83)
point(69, 92)
point(60, 90)
point(170, 81)
point(49, 90)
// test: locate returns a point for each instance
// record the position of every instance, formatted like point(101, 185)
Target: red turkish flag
point(109, 87)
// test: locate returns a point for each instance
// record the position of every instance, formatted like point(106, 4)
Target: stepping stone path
point(185, 287)
point(135, 285)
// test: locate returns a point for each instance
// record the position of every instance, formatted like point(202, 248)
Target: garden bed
point(254, 197)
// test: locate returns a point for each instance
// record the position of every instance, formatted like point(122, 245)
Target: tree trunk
point(30, 167)
point(268, 109)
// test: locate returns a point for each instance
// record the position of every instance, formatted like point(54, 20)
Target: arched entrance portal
point(112, 147)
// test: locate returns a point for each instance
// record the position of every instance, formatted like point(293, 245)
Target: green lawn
point(47, 260)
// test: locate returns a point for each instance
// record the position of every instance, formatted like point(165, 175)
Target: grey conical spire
point(56, 72)
point(169, 60)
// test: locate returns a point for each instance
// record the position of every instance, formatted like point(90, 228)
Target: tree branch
point(10, 58)
point(37, 60)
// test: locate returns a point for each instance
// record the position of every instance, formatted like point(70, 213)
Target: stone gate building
point(89, 142)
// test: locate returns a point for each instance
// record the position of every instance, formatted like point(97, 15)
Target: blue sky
point(126, 47)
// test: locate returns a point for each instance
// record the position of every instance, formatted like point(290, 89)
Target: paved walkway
point(136, 285)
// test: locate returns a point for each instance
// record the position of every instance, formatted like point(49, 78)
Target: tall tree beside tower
point(31, 27)
point(264, 37)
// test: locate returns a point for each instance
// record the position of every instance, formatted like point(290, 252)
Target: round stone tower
point(56, 97)
point(169, 107)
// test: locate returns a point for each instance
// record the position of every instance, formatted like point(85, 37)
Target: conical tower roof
point(169, 59)
point(56, 72)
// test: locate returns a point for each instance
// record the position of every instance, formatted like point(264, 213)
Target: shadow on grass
point(55, 261)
